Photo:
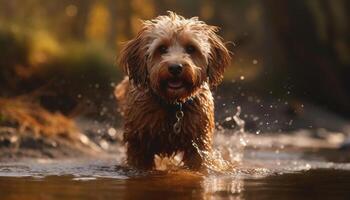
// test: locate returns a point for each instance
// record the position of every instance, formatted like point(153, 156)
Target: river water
point(293, 166)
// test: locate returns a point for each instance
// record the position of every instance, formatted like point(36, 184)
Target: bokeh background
point(290, 69)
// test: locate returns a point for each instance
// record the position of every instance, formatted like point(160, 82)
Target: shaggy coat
point(170, 65)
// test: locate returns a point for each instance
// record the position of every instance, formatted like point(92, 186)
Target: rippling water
point(312, 184)
point(270, 167)
point(242, 166)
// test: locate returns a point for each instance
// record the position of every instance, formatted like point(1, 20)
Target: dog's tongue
point(175, 83)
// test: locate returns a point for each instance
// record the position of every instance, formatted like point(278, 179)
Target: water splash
point(167, 163)
point(215, 162)
point(228, 149)
point(239, 135)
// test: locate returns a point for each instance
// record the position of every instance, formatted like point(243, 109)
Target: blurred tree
point(304, 35)
point(280, 45)
point(98, 24)
point(81, 18)
point(123, 22)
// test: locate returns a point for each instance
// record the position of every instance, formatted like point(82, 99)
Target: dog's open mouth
point(175, 84)
point(175, 88)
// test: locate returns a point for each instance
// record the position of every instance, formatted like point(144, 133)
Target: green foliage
point(91, 59)
point(41, 56)
point(2, 118)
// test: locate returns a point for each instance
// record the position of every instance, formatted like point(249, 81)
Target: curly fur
point(146, 96)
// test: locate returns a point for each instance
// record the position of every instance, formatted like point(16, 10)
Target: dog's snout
point(175, 69)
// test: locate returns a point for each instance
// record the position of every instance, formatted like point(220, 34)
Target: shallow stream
point(294, 166)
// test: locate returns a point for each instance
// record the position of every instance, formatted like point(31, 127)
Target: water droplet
point(228, 119)
point(104, 144)
point(112, 132)
point(242, 141)
point(84, 139)
point(13, 139)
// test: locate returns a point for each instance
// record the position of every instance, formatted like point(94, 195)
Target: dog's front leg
point(138, 157)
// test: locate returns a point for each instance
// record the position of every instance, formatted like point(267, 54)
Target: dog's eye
point(190, 49)
point(162, 49)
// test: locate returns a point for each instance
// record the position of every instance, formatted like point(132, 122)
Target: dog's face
point(174, 56)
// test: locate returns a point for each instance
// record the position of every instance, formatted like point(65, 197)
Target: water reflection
point(311, 184)
point(177, 185)
point(223, 188)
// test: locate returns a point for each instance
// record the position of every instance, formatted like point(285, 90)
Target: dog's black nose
point(175, 69)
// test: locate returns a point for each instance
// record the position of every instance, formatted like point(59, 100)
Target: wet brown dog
point(165, 99)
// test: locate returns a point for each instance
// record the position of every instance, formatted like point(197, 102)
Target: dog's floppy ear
point(133, 59)
point(219, 57)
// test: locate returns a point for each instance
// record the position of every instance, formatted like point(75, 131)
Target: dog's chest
point(179, 123)
point(151, 123)
point(194, 125)
point(158, 120)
